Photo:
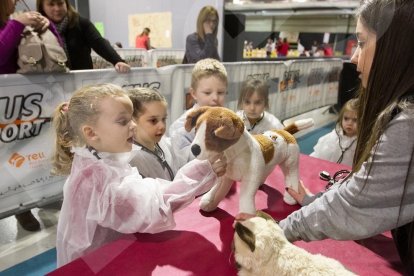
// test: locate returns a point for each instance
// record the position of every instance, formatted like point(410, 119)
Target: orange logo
point(16, 160)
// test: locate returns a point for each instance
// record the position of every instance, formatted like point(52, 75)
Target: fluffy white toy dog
point(262, 249)
point(250, 158)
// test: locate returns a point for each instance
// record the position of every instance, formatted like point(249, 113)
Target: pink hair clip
point(65, 107)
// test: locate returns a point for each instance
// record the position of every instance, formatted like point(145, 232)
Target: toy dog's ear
point(246, 235)
point(192, 117)
point(266, 216)
point(231, 128)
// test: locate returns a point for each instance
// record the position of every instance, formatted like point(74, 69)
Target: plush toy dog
point(261, 248)
point(250, 158)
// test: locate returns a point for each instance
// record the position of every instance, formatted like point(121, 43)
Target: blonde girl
point(339, 145)
point(103, 196)
point(154, 159)
point(252, 105)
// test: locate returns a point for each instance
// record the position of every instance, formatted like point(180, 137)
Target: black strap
point(94, 152)
point(258, 121)
point(340, 146)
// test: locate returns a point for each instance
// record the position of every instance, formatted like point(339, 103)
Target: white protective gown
point(104, 198)
point(181, 139)
point(328, 147)
point(268, 122)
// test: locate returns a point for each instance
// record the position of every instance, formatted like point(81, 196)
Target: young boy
point(208, 88)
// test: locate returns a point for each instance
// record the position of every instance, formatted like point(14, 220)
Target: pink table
point(201, 242)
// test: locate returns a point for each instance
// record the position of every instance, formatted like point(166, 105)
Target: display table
point(201, 243)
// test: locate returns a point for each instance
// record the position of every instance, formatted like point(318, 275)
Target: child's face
point(349, 123)
point(151, 124)
point(210, 91)
point(253, 106)
point(114, 128)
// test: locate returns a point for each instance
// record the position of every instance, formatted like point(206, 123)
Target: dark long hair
point(4, 12)
point(392, 70)
point(390, 80)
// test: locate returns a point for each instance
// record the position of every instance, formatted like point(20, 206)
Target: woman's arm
point(101, 46)
point(10, 37)
point(357, 210)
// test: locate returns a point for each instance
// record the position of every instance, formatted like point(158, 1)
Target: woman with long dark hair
point(378, 195)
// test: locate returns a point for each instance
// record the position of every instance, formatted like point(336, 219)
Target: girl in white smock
point(104, 197)
point(253, 102)
point(339, 145)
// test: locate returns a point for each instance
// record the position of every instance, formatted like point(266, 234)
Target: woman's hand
point(208, 28)
point(33, 19)
point(300, 194)
point(219, 164)
point(122, 67)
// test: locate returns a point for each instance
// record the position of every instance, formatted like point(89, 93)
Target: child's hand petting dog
point(218, 164)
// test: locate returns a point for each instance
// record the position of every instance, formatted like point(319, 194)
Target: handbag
point(40, 53)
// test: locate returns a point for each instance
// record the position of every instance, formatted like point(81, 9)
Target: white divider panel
point(164, 57)
point(26, 146)
point(295, 86)
point(27, 103)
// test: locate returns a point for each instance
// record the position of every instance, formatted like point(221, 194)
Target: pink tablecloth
point(201, 242)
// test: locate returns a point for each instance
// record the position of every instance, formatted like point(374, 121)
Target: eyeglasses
point(339, 175)
point(211, 20)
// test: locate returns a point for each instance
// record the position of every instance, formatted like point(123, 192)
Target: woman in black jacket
point(79, 36)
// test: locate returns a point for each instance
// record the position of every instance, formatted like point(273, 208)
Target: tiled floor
point(18, 245)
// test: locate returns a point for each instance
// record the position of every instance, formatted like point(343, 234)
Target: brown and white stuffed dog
point(250, 158)
point(261, 248)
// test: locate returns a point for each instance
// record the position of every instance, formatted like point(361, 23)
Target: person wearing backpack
point(11, 30)
point(79, 36)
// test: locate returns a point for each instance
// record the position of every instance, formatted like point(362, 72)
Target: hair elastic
point(65, 107)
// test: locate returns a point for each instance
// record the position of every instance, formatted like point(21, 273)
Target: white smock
point(267, 122)
point(329, 147)
point(103, 198)
point(181, 139)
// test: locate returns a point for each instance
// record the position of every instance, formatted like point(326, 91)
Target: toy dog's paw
point(207, 205)
point(288, 199)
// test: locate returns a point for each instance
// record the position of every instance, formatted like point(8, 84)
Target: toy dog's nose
point(195, 149)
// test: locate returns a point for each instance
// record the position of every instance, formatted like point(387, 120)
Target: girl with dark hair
point(253, 103)
point(378, 195)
